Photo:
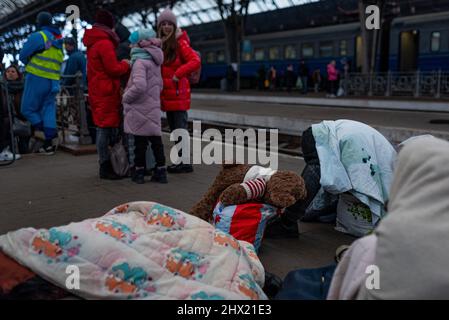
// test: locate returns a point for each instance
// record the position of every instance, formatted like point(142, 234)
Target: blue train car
point(317, 46)
point(418, 42)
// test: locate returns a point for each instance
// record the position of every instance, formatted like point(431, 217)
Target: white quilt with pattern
point(141, 250)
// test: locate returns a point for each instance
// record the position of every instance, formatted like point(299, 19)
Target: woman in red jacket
point(103, 77)
point(180, 61)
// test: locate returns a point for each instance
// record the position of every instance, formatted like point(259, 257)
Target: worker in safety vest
point(43, 56)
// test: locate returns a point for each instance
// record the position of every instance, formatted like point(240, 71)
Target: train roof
point(422, 18)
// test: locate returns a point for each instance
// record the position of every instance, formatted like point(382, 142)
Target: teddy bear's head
point(284, 189)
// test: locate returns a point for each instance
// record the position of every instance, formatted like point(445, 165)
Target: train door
point(408, 50)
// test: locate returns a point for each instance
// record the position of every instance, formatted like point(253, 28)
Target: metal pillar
point(84, 137)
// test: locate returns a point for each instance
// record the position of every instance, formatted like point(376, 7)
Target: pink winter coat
point(142, 97)
point(332, 72)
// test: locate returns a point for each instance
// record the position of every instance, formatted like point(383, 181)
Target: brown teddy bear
point(240, 183)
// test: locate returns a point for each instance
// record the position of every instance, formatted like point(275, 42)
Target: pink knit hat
point(166, 15)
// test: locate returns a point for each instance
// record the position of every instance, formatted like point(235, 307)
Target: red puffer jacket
point(103, 76)
point(176, 96)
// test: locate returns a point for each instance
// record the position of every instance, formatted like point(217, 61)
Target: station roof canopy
point(15, 13)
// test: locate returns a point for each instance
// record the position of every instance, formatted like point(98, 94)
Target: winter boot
point(139, 176)
point(160, 175)
point(279, 228)
point(106, 171)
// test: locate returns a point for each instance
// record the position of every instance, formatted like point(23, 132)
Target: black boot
point(106, 171)
point(159, 175)
point(281, 228)
point(131, 172)
point(150, 172)
point(139, 176)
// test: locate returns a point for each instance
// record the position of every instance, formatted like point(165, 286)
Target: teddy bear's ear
point(234, 194)
point(282, 200)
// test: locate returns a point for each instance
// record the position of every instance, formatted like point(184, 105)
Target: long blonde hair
point(169, 44)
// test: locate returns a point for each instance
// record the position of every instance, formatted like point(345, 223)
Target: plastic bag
point(119, 159)
point(299, 84)
point(340, 92)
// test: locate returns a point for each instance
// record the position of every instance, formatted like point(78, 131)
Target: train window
point(221, 56)
point(307, 50)
point(274, 53)
point(326, 49)
point(435, 41)
point(259, 54)
point(343, 48)
point(210, 57)
point(290, 52)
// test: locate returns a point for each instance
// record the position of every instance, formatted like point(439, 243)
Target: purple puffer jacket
point(142, 97)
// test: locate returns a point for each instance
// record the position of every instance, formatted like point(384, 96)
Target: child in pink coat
point(142, 104)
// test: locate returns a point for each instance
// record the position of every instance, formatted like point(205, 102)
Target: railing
point(72, 111)
point(7, 111)
point(405, 84)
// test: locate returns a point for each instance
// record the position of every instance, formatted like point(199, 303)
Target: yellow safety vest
point(46, 64)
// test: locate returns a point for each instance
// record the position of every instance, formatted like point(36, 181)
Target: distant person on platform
point(231, 77)
point(75, 63)
point(289, 78)
point(303, 73)
point(261, 76)
point(43, 56)
point(272, 77)
point(332, 77)
point(316, 78)
point(103, 75)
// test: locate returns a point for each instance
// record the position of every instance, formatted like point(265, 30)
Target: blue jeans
point(106, 137)
point(177, 120)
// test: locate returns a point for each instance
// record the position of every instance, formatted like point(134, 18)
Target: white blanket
point(141, 250)
point(355, 158)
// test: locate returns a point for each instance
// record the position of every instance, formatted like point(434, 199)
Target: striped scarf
point(255, 189)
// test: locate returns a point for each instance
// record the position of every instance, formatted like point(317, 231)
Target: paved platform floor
point(43, 191)
point(385, 118)
point(311, 94)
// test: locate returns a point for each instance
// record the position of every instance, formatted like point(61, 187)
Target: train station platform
point(270, 111)
point(41, 191)
point(422, 103)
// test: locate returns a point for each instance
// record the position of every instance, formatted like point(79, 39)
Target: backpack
point(195, 76)
point(307, 284)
